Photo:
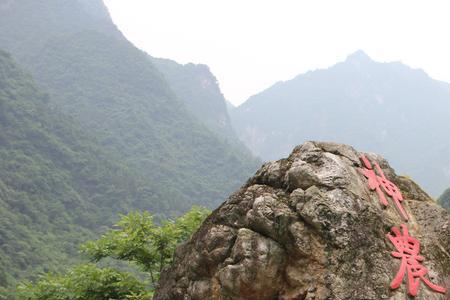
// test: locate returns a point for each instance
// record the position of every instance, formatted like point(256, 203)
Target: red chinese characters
point(408, 250)
point(407, 247)
point(376, 182)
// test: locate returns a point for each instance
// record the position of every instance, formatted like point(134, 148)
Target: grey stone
point(308, 227)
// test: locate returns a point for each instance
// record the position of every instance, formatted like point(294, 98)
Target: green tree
point(86, 282)
point(136, 239)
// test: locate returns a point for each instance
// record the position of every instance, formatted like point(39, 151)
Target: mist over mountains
point(386, 108)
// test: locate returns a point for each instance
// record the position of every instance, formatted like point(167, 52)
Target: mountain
point(444, 199)
point(58, 187)
point(230, 106)
point(309, 227)
point(198, 88)
point(98, 132)
point(27, 25)
point(389, 108)
point(113, 89)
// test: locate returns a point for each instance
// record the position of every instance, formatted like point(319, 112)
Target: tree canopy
point(135, 239)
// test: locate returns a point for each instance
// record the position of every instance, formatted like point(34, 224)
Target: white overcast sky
point(249, 45)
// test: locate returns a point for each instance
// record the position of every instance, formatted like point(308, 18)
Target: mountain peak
point(358, 57)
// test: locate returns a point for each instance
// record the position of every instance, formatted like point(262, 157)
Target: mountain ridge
point(206, 102)
point(374, 106)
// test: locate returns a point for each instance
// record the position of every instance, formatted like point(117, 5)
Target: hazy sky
point(249, 45)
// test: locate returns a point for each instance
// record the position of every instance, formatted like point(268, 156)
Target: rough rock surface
point(309, 227)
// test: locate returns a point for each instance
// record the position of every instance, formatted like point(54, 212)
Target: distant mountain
point(444, 199)
point(57, 186)
point(97, 77)
point(387, 108)
point(230, 106)
point(197, 87)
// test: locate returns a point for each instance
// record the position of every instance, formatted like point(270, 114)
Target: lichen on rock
point(308, 227)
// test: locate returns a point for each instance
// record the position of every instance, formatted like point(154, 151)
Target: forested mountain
point(444, 199)
point(97, 77)
point(57, 187)
point(27, 25)
point(196, 86)
point(230, 106)
point(110, 136)
point(387, 108)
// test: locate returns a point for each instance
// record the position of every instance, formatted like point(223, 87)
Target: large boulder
point(309, 227)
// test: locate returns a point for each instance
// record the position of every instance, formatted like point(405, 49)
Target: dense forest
point(123, 99)
point(115, 92)
point(57, 186)
point(198, 88)
point(90, 129)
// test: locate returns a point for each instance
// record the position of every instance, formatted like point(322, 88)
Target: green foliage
point(116, 93)
point(444, 199)
point(137, 239)
point(86, 282)
point(111, 137)
point(58, 187)
point(197, 87)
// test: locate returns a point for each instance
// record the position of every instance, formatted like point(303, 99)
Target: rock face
point(309, 227)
